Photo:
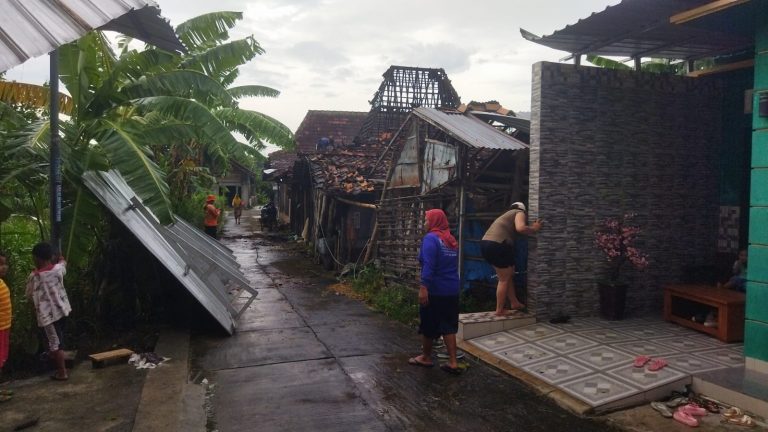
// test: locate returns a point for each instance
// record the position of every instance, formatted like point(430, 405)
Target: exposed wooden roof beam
point(704, 10)
point(723, 68)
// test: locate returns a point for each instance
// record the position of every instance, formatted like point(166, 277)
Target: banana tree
point(130, 109)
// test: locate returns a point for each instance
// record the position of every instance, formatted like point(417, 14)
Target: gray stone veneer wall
point(607, 142)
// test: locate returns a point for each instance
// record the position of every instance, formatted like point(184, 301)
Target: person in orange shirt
point(5, 320)
point(211, 220)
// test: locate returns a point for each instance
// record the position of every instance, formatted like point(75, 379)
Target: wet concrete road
point(305, 359)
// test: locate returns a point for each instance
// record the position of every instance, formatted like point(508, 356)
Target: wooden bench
point(100, 359)
point(728, 303)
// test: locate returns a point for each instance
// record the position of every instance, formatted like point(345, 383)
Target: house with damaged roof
point(319, 127)
point(341, 182)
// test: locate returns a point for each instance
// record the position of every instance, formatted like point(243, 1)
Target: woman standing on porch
point(439, 291)
point(498, 250)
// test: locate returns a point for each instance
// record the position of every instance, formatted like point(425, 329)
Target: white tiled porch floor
point(591, 359)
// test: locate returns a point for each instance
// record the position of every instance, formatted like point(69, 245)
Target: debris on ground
point(109, 357)
point(147, 360)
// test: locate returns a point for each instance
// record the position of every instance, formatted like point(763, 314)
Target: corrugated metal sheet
point(206, 268)
point(30, 28)
point(470, 130)
point(520, 124)
point(641, 28)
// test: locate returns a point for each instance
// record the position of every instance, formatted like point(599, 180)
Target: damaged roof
point(31, 28)
point(207, 269)
point(348, 171)
point(281, 162)
point(653, 28)
point(469, 130)
point(341, 126)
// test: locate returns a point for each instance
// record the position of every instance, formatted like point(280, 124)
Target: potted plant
point(615, 238)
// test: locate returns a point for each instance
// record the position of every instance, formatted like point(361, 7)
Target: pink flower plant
point(616, 239)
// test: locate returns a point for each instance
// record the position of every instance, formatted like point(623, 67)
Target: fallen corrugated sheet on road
point(206, 268)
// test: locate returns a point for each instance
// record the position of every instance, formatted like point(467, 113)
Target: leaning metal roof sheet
point(206, 268)
point(642, 28)
point(470, 130)
point(30, 28)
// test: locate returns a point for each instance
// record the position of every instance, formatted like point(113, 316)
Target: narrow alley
point(306, 359)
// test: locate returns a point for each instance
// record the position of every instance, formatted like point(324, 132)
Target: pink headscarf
point(438, 224)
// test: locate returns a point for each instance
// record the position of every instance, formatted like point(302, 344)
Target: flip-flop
point(451, 370)
point(733, 412)
point(5, 398)
point(641, 361)
point(58, 378)
point(685, 418)
point(6, 392)
point(414, 362)
point(662, 409)
point(657, 364)
point(744, 420)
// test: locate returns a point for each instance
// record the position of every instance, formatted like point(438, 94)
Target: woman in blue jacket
point(439, 291)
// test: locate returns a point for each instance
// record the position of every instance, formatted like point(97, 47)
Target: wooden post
point(462, 197)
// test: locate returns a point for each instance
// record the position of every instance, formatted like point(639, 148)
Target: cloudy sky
point(330, 54)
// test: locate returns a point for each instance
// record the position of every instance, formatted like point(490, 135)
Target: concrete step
point(741, 387)
point(476, 324)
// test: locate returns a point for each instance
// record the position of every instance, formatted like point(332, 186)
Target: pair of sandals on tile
point(653, 364)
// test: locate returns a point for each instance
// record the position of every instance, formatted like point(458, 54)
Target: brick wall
point(606, 142)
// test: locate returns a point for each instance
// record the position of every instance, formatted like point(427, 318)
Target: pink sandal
point(693, 410)
point(641, 361)
point(656, 365)
point(685, 418)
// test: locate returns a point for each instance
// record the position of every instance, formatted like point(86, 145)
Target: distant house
point(239, 180)
point(339, 126)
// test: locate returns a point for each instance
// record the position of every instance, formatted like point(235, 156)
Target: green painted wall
point(756, 328)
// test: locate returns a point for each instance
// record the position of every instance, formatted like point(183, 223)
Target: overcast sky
point(330, 54)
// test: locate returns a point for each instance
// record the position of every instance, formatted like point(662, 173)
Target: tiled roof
point(348, 171)
point(341, 126)
point(282, 161)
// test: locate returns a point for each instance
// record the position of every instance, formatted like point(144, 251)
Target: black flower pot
point(613, 297)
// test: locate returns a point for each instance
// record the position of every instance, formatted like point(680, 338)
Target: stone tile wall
point(607, 142)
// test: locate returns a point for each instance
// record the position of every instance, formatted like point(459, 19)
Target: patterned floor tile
point(645, 379)
point(644, 347)
point(496, 341)
point(598, 389)
point(739, 348)
point(523, 354)
point(692, 363)
point(605, 336)
point(684, 343)
point(601, 357)
point(632, 322)
point(565, 343)
point(557, 370)
point(647, 332)
point(725, 356)
point(577, 324)
point(535, 331)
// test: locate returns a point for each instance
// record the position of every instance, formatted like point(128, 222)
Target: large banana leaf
point(256, 127)
point(181, 83)
point(213, 133)
point(252, 91)
point(127, 148)
point(221, 59)
point(207, 30)
point(606, 63)
point(37, 96)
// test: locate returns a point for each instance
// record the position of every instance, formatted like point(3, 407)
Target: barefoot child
point(5, 320)
point(45, 287)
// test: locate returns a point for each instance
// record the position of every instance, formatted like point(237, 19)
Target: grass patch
point(399, 301)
